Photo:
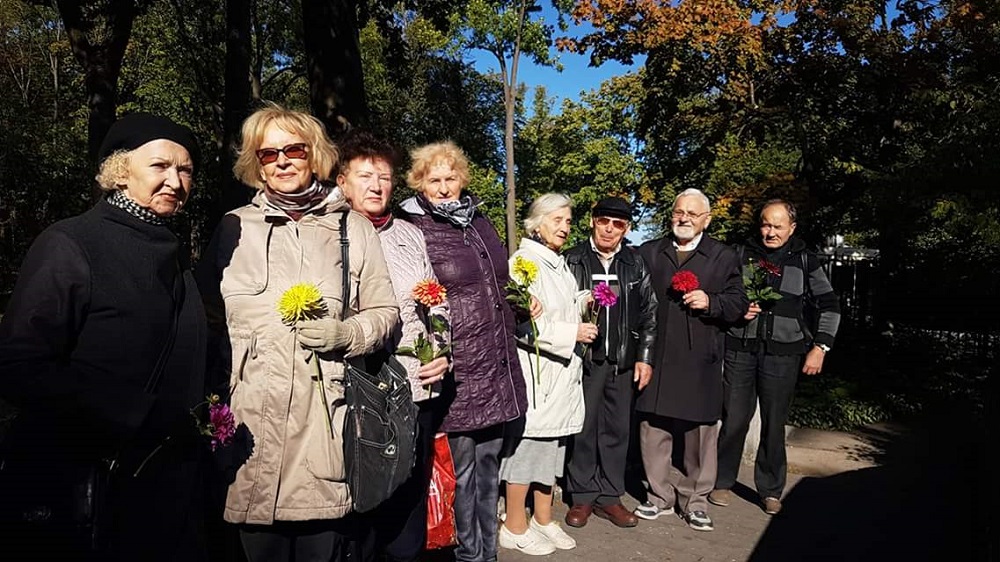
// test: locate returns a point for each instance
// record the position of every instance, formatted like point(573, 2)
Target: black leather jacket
point(637, 328)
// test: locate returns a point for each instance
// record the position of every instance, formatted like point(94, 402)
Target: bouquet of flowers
point(755, 281)
point(304, 301)
point(428, 294)
point(523, 274)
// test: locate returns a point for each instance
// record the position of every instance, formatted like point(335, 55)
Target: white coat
point(555, 395)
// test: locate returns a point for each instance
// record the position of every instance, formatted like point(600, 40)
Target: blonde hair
point(445, 152)
point(542, 206)
point(322, 153)
point(113, 170)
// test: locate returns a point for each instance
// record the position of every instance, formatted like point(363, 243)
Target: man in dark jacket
point(619, 358)
point(700, 293)
point(764, 352)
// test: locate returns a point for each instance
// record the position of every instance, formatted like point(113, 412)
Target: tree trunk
point(508, 143)
point(333, 60)
point(236, 103)
point(101, 61)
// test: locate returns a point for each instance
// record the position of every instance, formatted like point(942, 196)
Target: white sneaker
point(650, 512)
point(554, 533)
point(531, 542)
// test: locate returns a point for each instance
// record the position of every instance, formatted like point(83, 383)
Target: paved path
point(880, 495)
point(737, 529)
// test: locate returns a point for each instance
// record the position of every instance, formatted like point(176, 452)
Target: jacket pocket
point(787, 330)
point(325, 454)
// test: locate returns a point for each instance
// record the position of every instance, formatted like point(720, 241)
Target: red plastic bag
point(441, 497)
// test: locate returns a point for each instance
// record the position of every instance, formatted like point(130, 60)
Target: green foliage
point(827, 403)
point(589, 150)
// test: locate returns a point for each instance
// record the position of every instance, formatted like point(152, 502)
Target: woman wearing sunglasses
point(290, 498)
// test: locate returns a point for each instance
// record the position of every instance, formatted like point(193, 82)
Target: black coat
point(87, 321)
point(690, 346)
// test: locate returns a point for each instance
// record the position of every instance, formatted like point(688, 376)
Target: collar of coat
point(334, 203)
point(577, 253)
point(543, 253)
point(707, 246)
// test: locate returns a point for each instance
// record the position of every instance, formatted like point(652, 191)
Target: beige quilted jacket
point(296, 471)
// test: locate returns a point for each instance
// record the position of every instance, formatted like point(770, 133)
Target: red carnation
point(684, 281)
point(770, 267)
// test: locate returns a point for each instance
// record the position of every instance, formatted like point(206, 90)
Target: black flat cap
point(136, 129)
point(612, 207)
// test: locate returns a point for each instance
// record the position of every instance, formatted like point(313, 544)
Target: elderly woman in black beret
point(102, 351)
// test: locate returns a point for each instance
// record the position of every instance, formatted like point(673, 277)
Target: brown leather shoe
point(617, 514)
point(578, 514)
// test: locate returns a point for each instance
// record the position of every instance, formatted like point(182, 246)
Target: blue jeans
point(476, 455)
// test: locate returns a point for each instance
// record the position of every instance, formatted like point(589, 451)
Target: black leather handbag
point(381, 423)
point(55, 500)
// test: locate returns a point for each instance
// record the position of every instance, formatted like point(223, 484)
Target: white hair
point(543, 205)
point(692, 192)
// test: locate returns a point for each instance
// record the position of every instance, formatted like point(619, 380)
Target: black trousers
point(746, 377)
point(332, 540)
point(598, 454)
point(397, 529)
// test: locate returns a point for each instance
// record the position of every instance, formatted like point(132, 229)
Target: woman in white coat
point(556, 408)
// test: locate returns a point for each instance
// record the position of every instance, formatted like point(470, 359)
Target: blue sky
point(577, 75)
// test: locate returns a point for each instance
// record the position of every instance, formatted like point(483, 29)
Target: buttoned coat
point(296, 471)
point(553, 377)
point(471, 262)
point(690, 345)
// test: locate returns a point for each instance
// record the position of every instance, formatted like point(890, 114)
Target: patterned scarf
point(299, 202)
point(459, 213)
point(120, 200)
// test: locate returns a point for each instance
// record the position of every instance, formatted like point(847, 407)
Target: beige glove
point(325, 334)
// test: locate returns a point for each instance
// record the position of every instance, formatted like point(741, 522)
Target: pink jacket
point(406, 255)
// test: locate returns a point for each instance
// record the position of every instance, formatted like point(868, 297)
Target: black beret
point(612, 207)
point(136, 129)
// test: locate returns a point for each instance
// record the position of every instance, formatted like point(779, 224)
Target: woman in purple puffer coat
point(487, 389)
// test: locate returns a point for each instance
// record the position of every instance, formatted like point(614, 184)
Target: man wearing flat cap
point(617, 362)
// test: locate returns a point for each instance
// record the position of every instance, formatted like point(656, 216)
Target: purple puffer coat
point(487, 387)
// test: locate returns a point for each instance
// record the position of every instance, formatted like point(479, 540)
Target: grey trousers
point(476, 455)
point(681, 462)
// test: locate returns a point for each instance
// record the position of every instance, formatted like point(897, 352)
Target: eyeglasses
point(618, 224)
point(269, 155)
point(679, 214)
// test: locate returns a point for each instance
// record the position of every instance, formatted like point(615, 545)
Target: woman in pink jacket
point(365, 177)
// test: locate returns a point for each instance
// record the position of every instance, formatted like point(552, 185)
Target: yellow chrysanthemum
point(525, 271)
point(300, 302)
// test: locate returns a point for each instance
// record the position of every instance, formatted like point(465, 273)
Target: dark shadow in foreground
point(926, 503)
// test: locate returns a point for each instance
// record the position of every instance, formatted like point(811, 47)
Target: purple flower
point(223, 424)
point(604, 296)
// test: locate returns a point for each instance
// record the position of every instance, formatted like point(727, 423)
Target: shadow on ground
point(927, 501)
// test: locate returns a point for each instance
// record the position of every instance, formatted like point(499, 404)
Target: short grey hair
point(543, 205)
point(692, 192)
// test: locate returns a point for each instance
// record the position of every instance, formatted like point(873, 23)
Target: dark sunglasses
point(619, 224)
point(269, 155)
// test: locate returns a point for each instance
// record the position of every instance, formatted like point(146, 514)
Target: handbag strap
point(345, 267)
point(178, 295)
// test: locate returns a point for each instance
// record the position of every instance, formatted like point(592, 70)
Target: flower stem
point(538, 364)
point(142, 465)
